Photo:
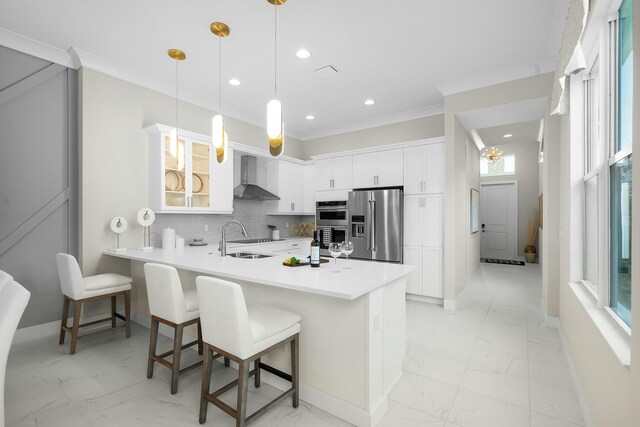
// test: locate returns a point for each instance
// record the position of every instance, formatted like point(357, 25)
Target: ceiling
point(521, 132)
point(396, 52)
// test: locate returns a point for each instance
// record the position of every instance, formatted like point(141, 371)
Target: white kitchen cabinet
point(195, 184)
point(432, 272)
point(413, 256)
point(424, 169)
point(423, 220)
point(309, 189)
point(291, 188)
point(379, 169)
point(423, 229)
point(334, 174)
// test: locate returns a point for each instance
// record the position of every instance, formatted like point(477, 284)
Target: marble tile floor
point(490, 363)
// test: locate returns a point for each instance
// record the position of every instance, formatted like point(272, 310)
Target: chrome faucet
point(222, 247)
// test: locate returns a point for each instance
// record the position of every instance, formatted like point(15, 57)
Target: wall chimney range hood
point(248, 188)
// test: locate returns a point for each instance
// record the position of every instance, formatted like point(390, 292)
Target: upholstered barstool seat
point(244, 334)
point(171, 305)
point(79, 290)
point(13, 301)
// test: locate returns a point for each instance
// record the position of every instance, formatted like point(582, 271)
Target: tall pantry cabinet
point(423, 218)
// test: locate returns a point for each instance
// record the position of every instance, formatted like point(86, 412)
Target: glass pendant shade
point(274, 119)
point(217, 131)
point(276, 145)
point(180, 157)
point(173, 142)
point(221, 152)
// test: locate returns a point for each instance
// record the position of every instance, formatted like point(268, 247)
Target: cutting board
point(322, 261)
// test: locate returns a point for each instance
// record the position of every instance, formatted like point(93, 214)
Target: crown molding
point(509, 74)
point(380, 121)
point(35, 48)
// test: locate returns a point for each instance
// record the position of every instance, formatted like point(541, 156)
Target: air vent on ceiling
point(326, 71)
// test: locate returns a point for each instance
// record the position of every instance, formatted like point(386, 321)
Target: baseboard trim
point(449, 305)
point(587, 415)
point(422, 298)
point(38, 331)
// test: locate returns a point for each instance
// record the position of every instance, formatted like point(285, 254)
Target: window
point(620, 164)
point(506, 166)
point(607, 98)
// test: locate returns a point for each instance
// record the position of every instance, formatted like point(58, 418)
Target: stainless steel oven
point(332, 223)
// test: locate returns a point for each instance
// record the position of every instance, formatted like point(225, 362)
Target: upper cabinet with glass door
point(186, 178)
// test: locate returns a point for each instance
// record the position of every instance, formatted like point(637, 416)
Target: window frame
point(605, 54)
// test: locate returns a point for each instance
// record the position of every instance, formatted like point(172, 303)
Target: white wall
point(114, 157)
point(473, 181)
point(411, 130)
point(527, 175)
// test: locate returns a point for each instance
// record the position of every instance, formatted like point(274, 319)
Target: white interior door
point(499, 220)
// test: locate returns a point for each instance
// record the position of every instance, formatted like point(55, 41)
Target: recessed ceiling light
point(507, 135)
point(235, 82)
point(309, 117)
point(369, 102)
point(303, 54)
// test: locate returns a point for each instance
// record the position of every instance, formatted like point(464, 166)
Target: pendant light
point(275, 126)
point(218, 135)
point(177, 55)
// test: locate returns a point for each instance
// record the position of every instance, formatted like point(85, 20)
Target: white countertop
point(364, 277)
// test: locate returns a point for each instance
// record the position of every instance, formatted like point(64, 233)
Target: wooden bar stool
point(171, 305)
point(81, 290)
point(244, 335)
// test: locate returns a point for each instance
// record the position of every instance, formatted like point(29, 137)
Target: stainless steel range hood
point(248, 188)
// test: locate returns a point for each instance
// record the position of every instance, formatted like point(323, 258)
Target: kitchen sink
point(249, 255)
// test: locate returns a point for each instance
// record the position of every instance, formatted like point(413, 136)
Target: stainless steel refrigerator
point(375, 224)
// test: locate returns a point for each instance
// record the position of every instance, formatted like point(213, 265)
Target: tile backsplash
point(253, 214)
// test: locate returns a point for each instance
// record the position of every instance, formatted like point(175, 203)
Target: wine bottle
point(315, 250)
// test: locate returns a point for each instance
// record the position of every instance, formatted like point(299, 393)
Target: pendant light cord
point(275, 50)
point(219, 75)
point(177, 80)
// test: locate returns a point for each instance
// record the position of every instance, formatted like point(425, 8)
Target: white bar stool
point(81, 290)
point(171, 305)
point(243, 334)
point(13, 301)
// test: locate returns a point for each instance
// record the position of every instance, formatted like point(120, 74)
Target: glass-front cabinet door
point(174, 173)
point(200, 175)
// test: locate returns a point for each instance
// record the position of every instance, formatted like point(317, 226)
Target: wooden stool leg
point(206, 382)
point(177, 350)
point(243, 390)
point(153, 344)
point(295, 366)
point(113, 311)
point(127, 312)
point(65, 318)
point(199, 337)
point(256, 379)
point(76, 325)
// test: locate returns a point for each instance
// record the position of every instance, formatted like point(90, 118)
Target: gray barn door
point(38, 176)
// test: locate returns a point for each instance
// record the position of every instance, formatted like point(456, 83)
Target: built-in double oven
point(332, 223)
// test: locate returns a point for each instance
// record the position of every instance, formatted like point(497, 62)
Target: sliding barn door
point(38, 176)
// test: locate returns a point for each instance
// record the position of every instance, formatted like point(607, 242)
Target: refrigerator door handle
point(373, 224)
point(369, 233)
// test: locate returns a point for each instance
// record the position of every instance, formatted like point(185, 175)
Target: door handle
point(483, 228)
point(292, 206)
point(373, 224)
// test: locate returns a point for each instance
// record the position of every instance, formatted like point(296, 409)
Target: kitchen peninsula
point(352, 342)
